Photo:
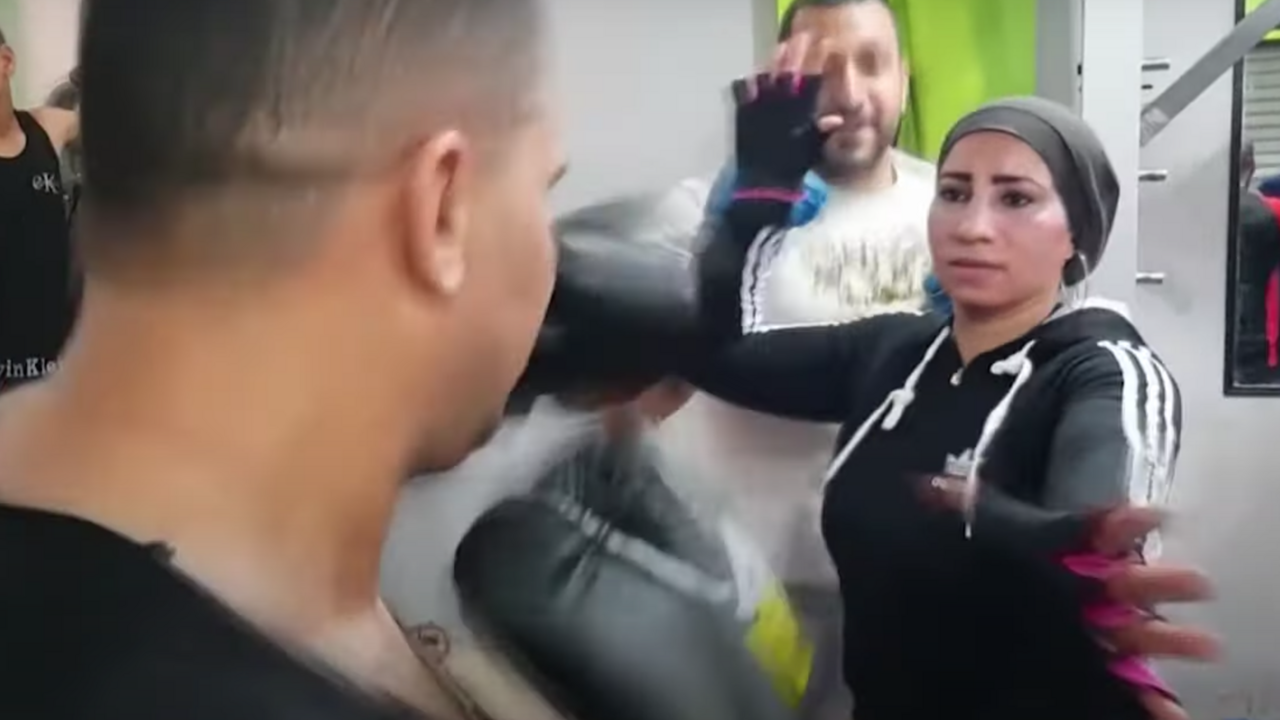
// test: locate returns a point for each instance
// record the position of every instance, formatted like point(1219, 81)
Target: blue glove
point(802, 213)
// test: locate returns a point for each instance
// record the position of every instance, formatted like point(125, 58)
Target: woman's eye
point(1016, 199)
point(950, 194)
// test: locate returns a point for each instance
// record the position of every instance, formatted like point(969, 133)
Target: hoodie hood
point(1095, 320)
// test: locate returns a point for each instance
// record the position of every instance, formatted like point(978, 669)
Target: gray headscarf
point(1077, 161)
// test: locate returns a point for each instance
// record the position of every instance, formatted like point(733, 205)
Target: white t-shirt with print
point(865, 254)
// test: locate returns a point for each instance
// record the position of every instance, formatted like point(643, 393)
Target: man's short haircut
point(3, 39)
point(188, 99)
point(787, 24)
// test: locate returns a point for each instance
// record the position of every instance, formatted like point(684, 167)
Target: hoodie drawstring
point(895, 406)
point(1020, 366)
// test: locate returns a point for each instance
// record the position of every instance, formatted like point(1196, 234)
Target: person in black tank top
point(37, 299)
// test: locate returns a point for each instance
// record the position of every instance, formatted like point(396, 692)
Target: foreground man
point(317, 255)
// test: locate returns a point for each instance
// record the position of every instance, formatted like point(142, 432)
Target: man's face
point(864, 82)
point(8, 65)
point(507, 273)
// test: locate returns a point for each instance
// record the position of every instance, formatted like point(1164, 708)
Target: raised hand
point(779, 136)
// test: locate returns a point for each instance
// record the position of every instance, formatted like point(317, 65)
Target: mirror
point(1252, 364)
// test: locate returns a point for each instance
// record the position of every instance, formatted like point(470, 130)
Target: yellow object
point(1249, 6)
point(777, 642)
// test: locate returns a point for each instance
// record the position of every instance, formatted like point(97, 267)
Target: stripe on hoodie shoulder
point(1148, 419)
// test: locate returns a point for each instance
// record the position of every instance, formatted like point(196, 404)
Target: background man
point(316, 245)
point(1257, 281)
point(865, 253)
point(37, 299)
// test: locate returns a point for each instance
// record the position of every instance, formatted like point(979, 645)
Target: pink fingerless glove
point(1108, 614)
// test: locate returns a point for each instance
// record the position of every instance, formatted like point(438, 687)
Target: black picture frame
point(1230, 385)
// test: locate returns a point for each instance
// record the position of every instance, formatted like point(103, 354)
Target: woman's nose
point(974, 224)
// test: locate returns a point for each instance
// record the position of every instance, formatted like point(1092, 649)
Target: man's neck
point(272, 490)
point(977, 333)
point(879, 176)
point(8, 119)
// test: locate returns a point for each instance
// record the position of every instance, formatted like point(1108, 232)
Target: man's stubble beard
point(838, 167)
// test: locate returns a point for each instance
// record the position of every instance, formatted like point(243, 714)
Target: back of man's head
point(184, 100)
point(369, 175)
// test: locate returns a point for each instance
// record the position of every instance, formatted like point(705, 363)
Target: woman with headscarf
point(970, 505)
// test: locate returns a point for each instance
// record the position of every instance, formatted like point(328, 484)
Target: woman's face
point(998, 231)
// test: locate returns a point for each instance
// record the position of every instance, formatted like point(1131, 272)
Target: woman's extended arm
point(801, 372)
point(1118, 436)
point(628, 312)
point(1115, 445)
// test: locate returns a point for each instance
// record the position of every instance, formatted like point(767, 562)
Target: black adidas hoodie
point(942, 612)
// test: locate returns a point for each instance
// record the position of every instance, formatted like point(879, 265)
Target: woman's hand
point(1132, 589)
point(1122, 590)
point(778, 134)
point(1132, 583)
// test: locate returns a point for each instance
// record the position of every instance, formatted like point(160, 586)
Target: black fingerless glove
point(777, 142)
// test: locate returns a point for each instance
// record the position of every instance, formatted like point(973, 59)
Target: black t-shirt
point(96, 627)
point(37, 292)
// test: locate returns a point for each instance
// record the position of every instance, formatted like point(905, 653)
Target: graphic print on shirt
point(958, 467)
point(878, 271)
point(47, 183)
point(865, 254)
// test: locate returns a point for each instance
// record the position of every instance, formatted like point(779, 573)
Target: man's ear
point(9, 61)
point(437, 200)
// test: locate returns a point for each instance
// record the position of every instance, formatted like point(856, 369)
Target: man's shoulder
point(125, 636)
point(913, 171)
point(57, 124)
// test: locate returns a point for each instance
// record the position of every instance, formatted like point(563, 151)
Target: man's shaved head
point(367, 178)
point(204, 96)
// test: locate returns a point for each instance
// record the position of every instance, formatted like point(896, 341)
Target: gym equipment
point(1223, 56)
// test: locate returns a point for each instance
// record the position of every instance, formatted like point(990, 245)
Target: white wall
point(644, 87)
point(1227, 493)
point(43, 34)
point(641, 83)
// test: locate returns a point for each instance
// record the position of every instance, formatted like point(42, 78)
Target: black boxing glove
point(777, 141)
point(623, 313)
